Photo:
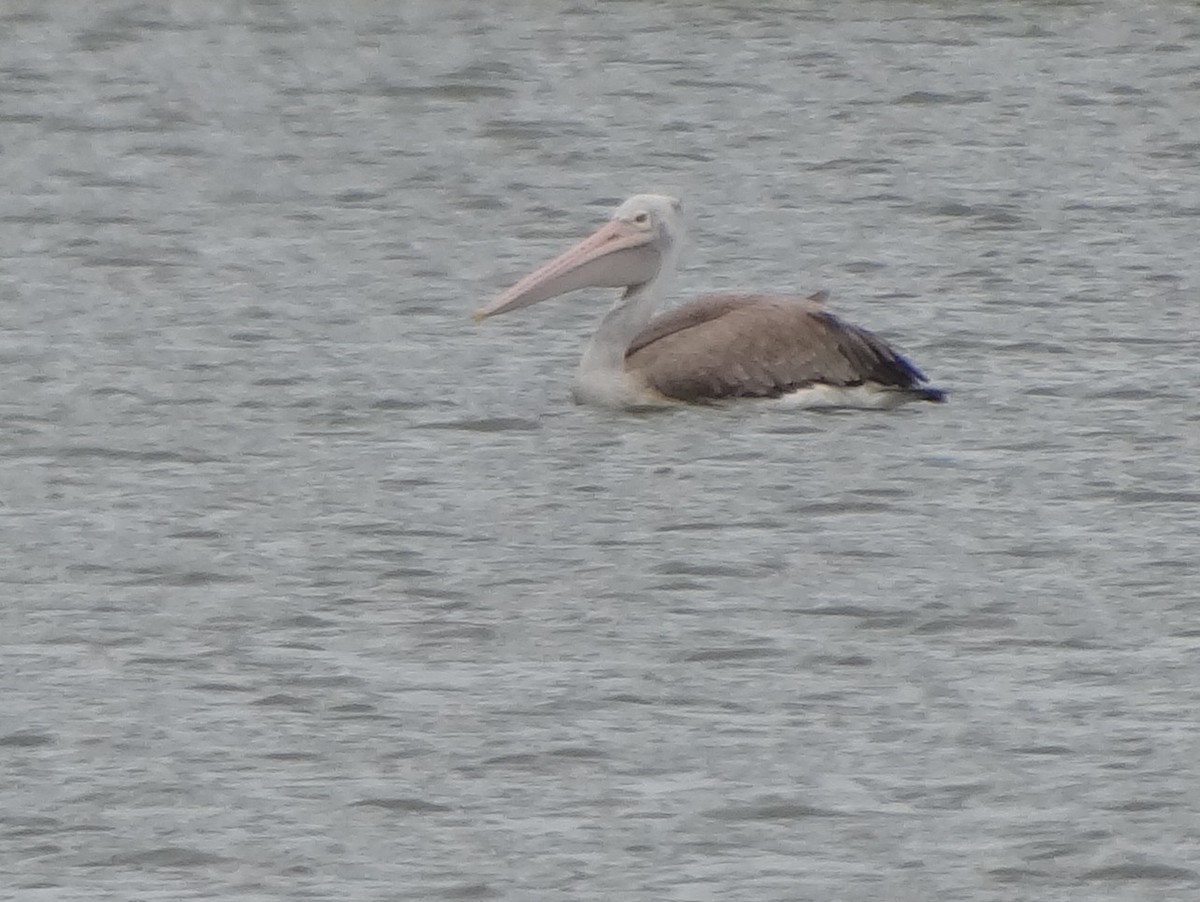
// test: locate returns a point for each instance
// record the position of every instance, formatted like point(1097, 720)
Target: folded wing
point(762, 346)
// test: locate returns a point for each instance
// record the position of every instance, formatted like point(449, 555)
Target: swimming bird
point(719, 347)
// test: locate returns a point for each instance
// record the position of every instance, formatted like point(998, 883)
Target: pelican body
point(720, 347)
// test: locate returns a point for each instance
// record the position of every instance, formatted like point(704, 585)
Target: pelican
point(720, 347)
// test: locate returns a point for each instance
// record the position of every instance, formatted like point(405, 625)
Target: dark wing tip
point(936, 395)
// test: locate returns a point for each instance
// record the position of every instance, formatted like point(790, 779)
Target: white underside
point(625, 394)
point(863, 397)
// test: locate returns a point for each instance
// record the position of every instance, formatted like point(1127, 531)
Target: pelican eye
point(642, 218)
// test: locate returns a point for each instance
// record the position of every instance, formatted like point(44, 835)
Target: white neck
point(602, 377)
point(605, 353)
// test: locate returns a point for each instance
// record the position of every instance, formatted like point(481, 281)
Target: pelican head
point(631, 249)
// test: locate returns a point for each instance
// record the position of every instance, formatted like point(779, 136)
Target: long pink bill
point(616, 255)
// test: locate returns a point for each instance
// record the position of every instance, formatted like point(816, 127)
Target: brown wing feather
point(729, 346)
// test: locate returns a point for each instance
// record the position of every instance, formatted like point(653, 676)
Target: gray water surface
point(314, 590)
